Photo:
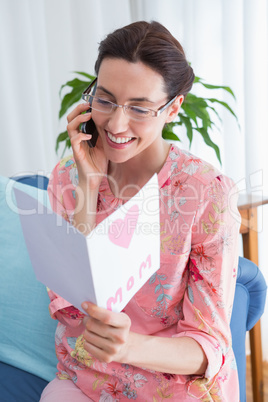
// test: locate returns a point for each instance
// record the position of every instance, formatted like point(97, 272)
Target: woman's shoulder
point(65, 171)
point(192, 168)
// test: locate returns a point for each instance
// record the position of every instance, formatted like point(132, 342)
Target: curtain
point(42, 42)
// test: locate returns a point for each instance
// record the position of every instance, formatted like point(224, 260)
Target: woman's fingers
point(116, 333)
point(98, 353)
point(73, 126)
point(82, 107)
point(117, 320)
point(77, 139)
point(106, 333)
point(88, 160)
point(104, 338)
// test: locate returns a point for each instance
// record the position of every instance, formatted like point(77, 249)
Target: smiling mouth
point(119, 140)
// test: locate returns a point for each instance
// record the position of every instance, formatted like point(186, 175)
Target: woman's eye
point(139, 110)
point(103, 102)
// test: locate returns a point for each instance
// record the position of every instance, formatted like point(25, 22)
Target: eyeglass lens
point(134, 112)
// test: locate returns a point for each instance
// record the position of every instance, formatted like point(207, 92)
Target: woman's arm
point(84, 218)
point(108, 339)
point(174, 355)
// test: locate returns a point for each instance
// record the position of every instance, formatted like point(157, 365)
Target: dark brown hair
point(152, 44)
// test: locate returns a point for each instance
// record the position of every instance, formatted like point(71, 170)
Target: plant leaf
point(69, 99)
point(197, 79)
point(191, 98)
point(209, 86)
point(216, 112)
point(188, 111)
point(203, 115)
point(214, 100)
point(169, 135)
point(209, 141)
point(75, 83)
point(91, 77)
point(61, 137)
point(196, 107)
point(225, 88)
point(174, 123)
point(189, 129)
point(199, 107)
point(67, 146)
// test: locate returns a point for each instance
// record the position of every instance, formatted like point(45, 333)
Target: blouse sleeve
point(212, 268)
point(61, 188)
point(61, 191)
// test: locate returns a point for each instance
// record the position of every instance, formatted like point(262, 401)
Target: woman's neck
point(126, 179)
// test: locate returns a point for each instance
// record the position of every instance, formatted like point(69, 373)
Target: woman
point(173, 340)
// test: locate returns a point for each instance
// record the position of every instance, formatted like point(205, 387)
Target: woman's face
point(135, 84)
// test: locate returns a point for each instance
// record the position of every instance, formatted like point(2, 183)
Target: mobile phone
point(89, 126)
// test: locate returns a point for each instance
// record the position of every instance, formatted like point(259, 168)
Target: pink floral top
point(190, 295)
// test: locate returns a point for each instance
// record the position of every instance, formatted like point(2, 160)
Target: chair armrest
point(251, 277)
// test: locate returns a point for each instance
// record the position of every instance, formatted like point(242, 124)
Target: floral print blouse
point(190, 295)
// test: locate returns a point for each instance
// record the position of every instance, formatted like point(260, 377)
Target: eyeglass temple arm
point(166, 105)
point(87, 91)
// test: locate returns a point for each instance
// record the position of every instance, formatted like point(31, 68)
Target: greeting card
point(108, 266)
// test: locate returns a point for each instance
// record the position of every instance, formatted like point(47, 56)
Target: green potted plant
point(197, 114)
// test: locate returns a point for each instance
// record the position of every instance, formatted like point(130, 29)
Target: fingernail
point(85, 306)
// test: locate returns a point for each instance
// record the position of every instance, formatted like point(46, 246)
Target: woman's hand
point(106, 333)
point(91, 162)
point(108, 338)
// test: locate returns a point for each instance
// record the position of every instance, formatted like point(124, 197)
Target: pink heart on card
point(122, 230)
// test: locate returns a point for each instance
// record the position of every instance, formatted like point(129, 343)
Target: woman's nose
point(118, 121)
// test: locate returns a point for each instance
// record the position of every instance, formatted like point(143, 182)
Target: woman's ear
point(173, 110)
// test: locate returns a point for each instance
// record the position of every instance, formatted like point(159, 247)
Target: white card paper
point(109, 265)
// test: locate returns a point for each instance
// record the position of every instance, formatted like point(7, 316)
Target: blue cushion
point(250, 276)
point(249, 302)
point(19, 386)
point(33, 180)
point(26, 330)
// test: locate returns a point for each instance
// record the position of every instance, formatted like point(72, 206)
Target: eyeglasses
point(133, 112)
